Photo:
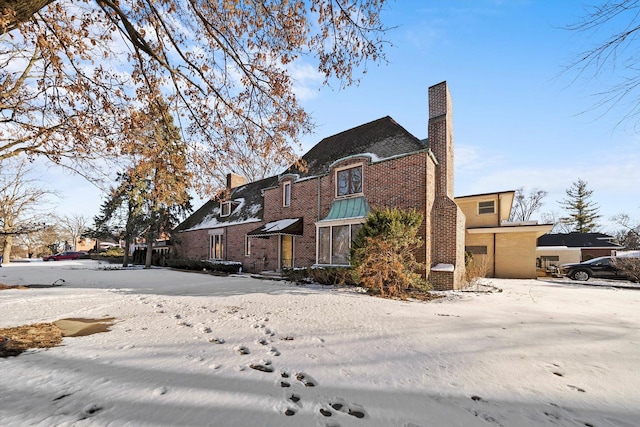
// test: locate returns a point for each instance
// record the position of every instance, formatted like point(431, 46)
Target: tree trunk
point(6, 252)
point(127, 245)
point(149, 239)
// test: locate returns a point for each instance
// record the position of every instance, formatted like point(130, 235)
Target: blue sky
point(518, 120)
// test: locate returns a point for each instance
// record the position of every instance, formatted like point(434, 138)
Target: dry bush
point(476, 267)
point(630, 266)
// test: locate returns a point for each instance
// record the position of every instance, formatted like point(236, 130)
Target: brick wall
point(304, 203)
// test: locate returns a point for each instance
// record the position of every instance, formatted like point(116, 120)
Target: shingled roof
point(578, 240)
point(247, 206)
point(382, 138)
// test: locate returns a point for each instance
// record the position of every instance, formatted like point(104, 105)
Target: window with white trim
point(488, 207)
point(334, 243)
point(286, 194)
point(225, 208)
point(217, 246)
point(247, 246)
point(349, 181)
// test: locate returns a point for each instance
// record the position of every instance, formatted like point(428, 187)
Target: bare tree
point(559, 225)
point(629, 233)
point(21, 200)
point(224, 67)
point(526, 205)
point(614, 28)
point(73, 227)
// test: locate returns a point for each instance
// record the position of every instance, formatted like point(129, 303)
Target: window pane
point(217, 246)
point(324, 252)
point(486, 207)
point(286, 196)
point(343, 182)
point(356, 180)
point(225, 209)
point(349, 181)
point(340, 245)
point(354, 230)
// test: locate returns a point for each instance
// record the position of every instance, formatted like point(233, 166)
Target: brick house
point(305, 218)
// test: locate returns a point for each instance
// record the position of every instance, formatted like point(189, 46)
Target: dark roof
point(578, 240)
point(382, 138)
point(247, 205)
point(286, 227)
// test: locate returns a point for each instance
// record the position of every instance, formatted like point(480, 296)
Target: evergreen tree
point(382, 253)
point(583, 213)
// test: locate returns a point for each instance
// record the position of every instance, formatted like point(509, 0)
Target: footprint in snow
point(305, 379)
point(160, 391)
point(242, 350)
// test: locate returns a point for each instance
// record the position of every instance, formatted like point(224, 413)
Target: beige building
point(499, 248)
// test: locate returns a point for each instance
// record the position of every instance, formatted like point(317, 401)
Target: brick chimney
point(447, 268)
point(233, 181)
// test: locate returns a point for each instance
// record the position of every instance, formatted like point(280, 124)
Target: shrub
point(204, 265)
point(331, 276)
point(475, 267)
point(382, 254)
point(630, 267)
point(337, 276)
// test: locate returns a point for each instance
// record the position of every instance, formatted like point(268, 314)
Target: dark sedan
point(602, 267)
point(64, 256)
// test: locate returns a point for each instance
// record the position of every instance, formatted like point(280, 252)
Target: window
point(225, 208)
point(334, 243)
point(247, 246)
point(286, 194)
point(340, 243)
point(217, 246)
point(486, 207)
point(349, 181)
point(476, 250)
point(324, 245)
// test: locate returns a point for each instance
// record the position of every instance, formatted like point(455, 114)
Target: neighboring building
point(309, 217)
point(500, 248)
point(566, 248)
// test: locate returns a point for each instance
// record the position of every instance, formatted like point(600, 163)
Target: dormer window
point(488, 207)
point(349, 181)
point(225, 208)
point(286, 194)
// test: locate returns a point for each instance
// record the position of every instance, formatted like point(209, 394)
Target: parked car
point(65, 255)
point(602, 267)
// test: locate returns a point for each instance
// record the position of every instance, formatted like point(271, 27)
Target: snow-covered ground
point(542, 352)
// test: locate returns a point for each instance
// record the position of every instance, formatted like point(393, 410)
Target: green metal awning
point(356, 207)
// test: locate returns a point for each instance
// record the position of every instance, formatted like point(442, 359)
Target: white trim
point(247, 245)
point(493, 202)
point(285, 186)
point(330, 225)
point(222, 204)
point(350, 166)
point(521, 229)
